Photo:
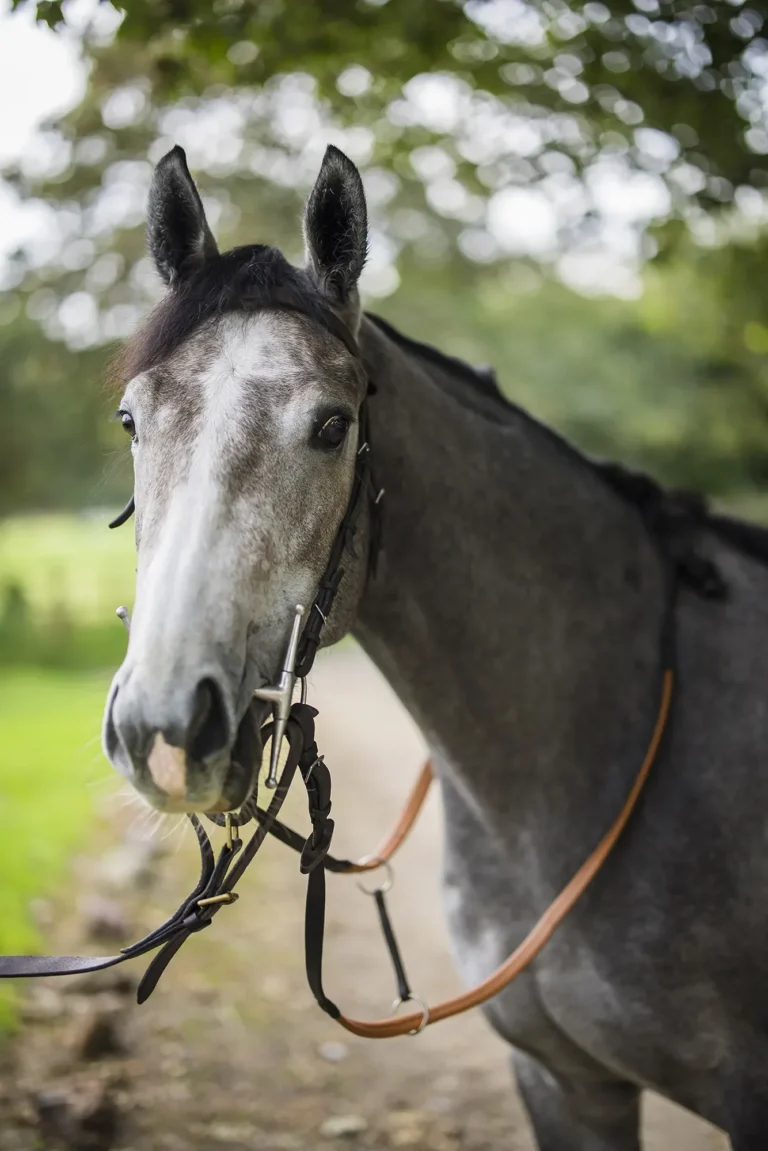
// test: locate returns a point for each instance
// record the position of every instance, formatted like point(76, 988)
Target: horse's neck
point(517, 605)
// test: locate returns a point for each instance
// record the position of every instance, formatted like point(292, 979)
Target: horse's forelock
point(242, 280)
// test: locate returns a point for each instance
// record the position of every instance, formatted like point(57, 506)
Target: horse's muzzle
point(185, 755)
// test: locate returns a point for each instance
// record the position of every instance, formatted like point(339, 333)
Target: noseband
point(295, 722)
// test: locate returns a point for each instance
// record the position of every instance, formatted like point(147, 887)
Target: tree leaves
point(449, 107)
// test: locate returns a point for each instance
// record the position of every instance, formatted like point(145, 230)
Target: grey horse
point(516, 611)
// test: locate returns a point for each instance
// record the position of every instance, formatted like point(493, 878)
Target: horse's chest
point(579, 994)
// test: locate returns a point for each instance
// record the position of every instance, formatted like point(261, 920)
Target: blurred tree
point(587, 78)
point(469, 120)
point(614, 116)
point(57, 449)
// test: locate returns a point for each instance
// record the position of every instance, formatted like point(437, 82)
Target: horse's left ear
point(336, 226)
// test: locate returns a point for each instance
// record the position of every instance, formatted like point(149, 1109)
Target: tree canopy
point(497, 139)
point(588, 78)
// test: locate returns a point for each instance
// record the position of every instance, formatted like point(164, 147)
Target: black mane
point(244, 279)
point(673, 516)
point(482, 379)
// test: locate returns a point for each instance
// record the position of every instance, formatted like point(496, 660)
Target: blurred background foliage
point(572, 192)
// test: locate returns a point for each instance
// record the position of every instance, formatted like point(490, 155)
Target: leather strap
point(400, 831)
point(219, 876)
point(534, 941)
point(214, 889)
point(548, 922)
point(385, 851)
point(362, 487)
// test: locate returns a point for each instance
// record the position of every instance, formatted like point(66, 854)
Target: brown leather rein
point(545, 926)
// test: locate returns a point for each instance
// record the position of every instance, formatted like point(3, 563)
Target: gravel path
point(231, 1052)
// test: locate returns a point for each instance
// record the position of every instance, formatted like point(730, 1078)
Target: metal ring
point(382, 887)
point(412, 997)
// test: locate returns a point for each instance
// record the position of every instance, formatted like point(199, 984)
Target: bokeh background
point(573, 192)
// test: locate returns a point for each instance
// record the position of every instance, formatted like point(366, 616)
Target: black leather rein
point(219, 874)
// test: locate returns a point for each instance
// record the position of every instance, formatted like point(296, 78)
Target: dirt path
point(231, 1051)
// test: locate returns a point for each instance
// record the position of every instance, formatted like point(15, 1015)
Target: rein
point(220, 873)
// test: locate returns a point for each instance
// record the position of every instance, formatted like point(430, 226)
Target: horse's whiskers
point(95, 739)
point(102, 784)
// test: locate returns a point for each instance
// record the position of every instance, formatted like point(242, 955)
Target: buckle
point(225, 897)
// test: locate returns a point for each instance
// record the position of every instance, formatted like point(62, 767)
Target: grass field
point(73, 572)
point(50, 764)
point(72, 563)
point(61, 578)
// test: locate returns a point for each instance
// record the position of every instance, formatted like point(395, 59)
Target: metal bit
point(280, 695)
point(122, 614)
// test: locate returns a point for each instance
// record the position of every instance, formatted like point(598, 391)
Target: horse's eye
point(126, 419)
point(333, 431)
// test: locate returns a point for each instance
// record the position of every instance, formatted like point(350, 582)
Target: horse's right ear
point(178, 235)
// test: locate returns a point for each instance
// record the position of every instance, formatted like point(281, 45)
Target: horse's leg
point(578, 1115)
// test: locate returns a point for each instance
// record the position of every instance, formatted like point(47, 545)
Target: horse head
point(242, 399)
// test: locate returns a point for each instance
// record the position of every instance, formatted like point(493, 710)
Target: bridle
point(294, 722)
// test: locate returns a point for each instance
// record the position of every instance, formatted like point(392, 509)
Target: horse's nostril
point(209, 729)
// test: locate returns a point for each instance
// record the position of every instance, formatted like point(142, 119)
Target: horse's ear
point(178, 235)
point(336, 226)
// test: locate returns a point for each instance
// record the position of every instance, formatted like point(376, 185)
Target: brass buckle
point(225, 897)
point(232, 829)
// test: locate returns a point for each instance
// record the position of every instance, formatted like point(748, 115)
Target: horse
point(517, 609)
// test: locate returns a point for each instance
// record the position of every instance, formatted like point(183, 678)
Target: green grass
point(68, 563)
point(50, 758)
point(61, 578)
